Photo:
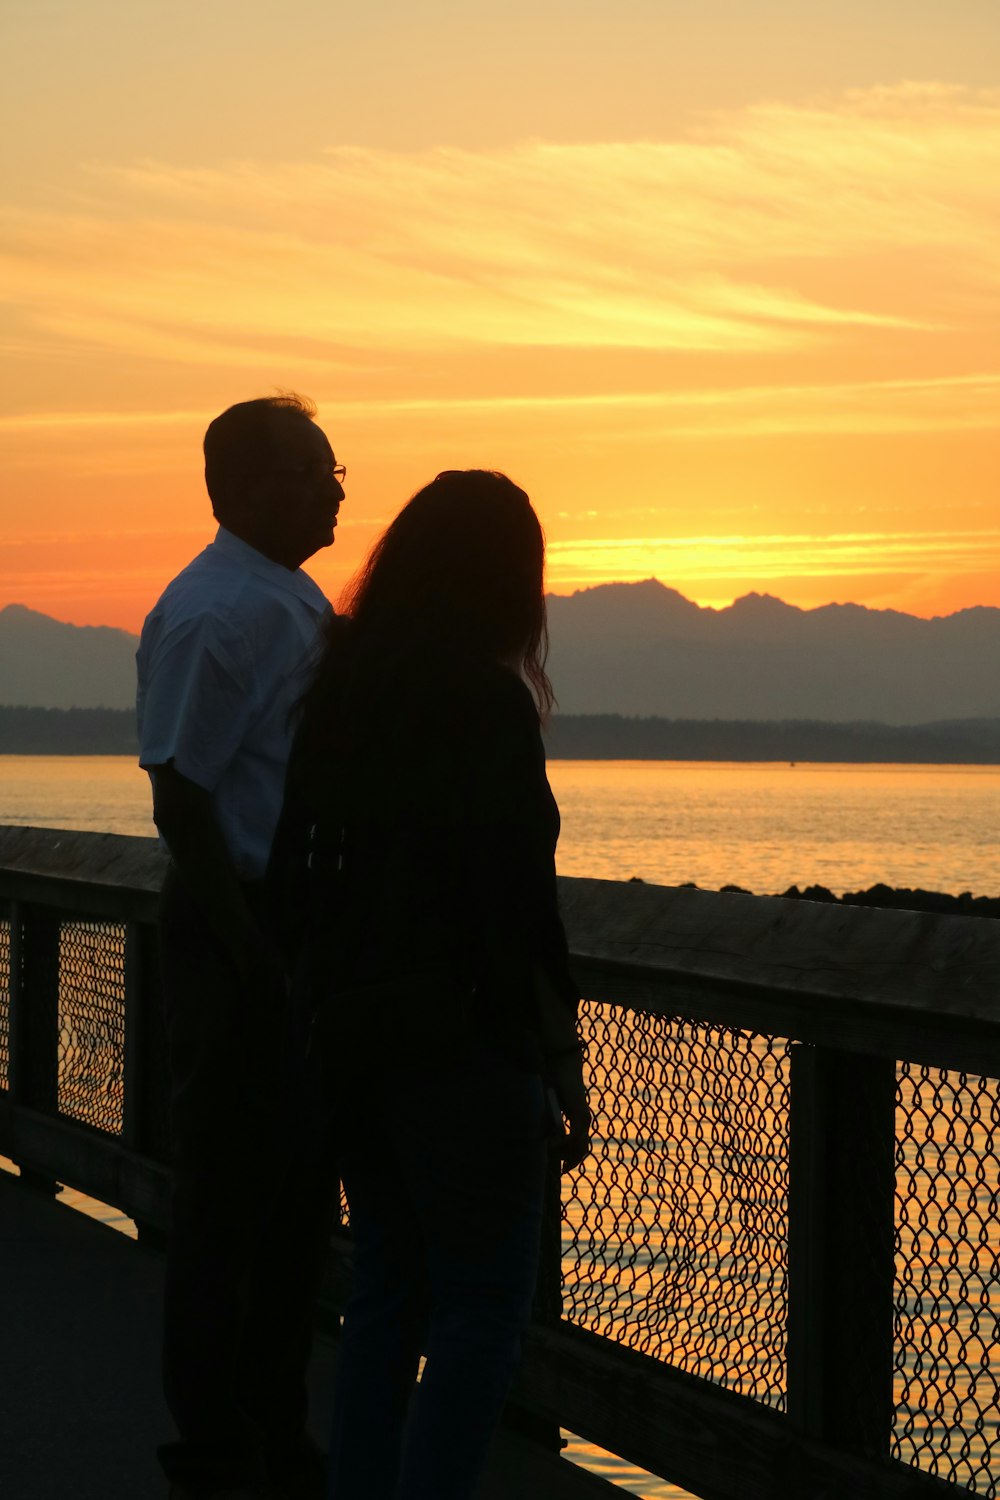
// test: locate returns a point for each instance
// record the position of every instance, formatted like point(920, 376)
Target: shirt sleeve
point(197, 699)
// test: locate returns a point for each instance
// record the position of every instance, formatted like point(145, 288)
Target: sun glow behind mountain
point(732, 343)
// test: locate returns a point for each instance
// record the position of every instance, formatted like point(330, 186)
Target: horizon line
point(763, 595)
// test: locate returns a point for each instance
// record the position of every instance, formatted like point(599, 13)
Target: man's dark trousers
point(253, 1205)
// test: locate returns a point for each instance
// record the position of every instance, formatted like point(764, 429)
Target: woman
point(444, 1009)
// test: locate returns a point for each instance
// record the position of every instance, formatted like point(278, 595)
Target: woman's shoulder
point(499, 692)
point(466, 680)
point(500, 729)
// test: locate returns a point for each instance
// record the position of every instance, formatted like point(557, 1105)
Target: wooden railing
point(829, 1329)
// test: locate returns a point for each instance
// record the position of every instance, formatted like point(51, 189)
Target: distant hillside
point(45, 663)
point(644, 649)
point(612, 737)
point(640, 649)
point(68, 731)
point(111, 731)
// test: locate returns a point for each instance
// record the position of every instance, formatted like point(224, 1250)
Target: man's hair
point(241, 443)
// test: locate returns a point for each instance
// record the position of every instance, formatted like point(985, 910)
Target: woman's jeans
point(444, 1169)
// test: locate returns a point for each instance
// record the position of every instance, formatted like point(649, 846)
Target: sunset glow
point(737, 336)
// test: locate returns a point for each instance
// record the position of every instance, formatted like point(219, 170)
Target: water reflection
point(769, 826)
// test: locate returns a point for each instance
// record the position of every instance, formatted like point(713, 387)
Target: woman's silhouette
point(416, 858)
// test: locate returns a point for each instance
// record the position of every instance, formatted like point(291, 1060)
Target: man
point(223, 659)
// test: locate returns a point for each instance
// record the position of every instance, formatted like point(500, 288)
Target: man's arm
point(183, 814)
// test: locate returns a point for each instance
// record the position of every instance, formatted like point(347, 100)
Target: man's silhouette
point(223, 658)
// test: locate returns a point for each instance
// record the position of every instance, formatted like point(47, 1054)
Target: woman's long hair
point(456, 578)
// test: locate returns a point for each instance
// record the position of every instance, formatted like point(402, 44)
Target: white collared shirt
point(223, 659)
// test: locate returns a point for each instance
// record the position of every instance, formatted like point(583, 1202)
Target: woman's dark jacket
point(416, 850)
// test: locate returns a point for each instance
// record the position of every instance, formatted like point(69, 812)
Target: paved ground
point(80, 1404)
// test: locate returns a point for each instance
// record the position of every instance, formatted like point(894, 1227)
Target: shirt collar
point(294, 581)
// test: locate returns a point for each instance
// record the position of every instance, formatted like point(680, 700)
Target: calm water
point(769, 826)
point(762, 826)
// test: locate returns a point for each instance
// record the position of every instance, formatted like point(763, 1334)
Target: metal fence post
point(145, 1128)
point(34, 1018)
point(841, 1266)
point(145, 1105)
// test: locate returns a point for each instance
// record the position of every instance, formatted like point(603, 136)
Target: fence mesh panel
point(675, 1233)
point(92, 1023)
point(5, 979)
point(947, 1370)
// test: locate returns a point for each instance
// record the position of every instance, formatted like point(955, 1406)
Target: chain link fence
point(91, 1077)
point(947, 1321)
point(675, 1233)
point(675, 1236)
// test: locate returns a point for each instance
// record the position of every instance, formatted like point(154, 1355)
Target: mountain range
point(45, 663)
point(640, 649)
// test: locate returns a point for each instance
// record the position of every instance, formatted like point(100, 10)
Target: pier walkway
point(81, 1410)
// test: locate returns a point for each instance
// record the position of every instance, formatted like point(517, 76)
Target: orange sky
point(717, 283)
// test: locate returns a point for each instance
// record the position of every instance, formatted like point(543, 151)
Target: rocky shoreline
point(895, 898)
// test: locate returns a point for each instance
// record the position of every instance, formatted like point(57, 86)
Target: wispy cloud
point(100, 421)
point(599, 316)
point(688, 561)
point(894, 405)
point(767, 231)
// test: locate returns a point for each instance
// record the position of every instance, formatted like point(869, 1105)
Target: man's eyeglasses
point(317, 471)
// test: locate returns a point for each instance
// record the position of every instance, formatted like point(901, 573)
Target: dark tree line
point(67, 731)
point(111, 731)
point(615, 737)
